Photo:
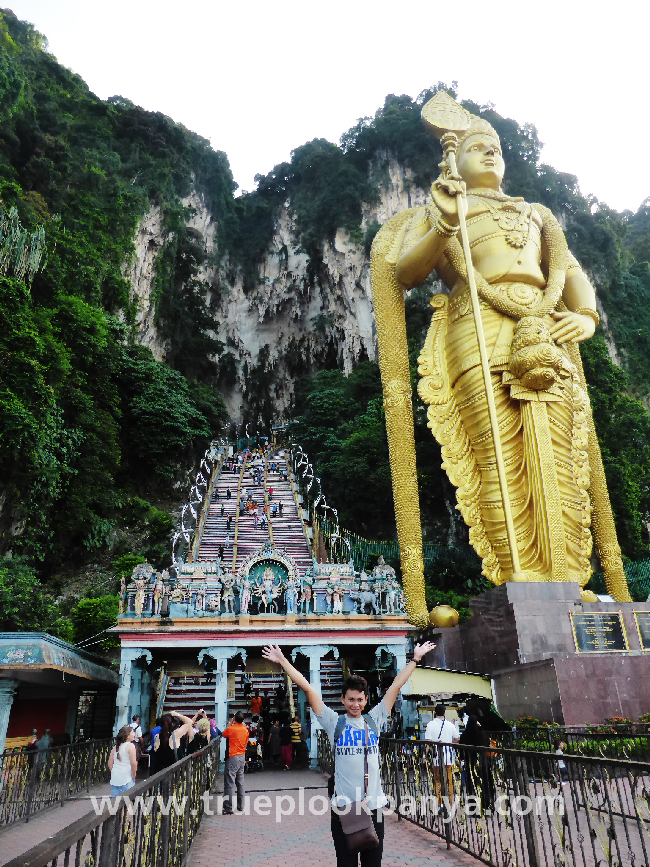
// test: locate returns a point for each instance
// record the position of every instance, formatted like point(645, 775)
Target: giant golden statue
point(522, 452)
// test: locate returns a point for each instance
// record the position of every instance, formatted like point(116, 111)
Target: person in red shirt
point(237, 735)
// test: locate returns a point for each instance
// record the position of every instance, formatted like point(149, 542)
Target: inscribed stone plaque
point(643, 626)
point(599, 633)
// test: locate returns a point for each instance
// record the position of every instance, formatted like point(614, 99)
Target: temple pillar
point(145, 701)
point(7, 691)
point(129, 696)
point(314, 654)
point(221, 655)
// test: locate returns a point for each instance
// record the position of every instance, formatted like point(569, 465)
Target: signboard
point(232, 679)
point(643, 627)
point(599, 633)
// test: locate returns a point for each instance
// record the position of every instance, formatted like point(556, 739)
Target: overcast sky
point(260, 78)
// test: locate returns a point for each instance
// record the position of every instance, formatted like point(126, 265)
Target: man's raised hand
point(273, 653)
point(421, 649)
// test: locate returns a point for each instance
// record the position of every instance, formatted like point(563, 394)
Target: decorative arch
point(271, 555)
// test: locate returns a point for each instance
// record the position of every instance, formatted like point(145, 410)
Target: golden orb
point(443, 616)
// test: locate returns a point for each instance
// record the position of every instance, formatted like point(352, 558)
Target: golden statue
point(522, 452)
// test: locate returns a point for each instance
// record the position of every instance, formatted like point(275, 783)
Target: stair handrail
point(266, 498)
point(237, 512)
point(205, 509)
point(298, 507)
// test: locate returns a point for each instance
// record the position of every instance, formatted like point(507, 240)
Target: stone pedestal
point(521, 635)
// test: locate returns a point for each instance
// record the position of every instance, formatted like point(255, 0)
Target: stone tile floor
point(250, 840)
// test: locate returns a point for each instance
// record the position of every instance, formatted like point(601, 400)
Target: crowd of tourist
point(269, 736)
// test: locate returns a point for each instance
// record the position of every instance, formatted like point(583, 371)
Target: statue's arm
point(578, 322)
point(573, 324)
point(416, 263)
point(428, 235)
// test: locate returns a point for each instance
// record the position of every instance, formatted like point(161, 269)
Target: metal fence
point(33, 781)
point(152, 825)
point(609, 742)
point(512, 808)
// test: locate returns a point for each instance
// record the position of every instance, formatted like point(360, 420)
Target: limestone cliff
point(295, 318)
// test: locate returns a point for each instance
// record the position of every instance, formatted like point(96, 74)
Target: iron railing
point(615, 742)
point(512, 808)
point(33, 781)
point(151, 825)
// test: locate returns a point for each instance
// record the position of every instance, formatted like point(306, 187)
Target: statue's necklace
point(514, 217)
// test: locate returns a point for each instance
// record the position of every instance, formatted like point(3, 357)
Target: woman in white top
point(122, 762)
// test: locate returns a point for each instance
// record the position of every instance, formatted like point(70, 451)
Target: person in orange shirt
point(256, 704)
point(237, 735)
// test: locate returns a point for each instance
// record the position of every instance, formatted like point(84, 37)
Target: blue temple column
point(221, 655)
point(7, 692)
point(129, 694)
point(314, 654)
point(145, 703)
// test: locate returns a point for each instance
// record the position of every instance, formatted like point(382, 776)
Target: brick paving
point(248, 841)
point(18, 838)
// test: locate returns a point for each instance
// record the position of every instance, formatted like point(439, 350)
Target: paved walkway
point(21, 836)
point(247, 841)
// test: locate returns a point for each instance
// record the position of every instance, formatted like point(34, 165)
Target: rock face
point(296, 318)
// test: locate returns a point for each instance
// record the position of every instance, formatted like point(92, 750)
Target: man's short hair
point(440, 710)
point(356, 683)
point(136, 717)
point(239, 717)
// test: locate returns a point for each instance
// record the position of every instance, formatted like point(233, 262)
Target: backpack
point(338, 731)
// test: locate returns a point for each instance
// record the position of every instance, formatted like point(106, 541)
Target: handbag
point(356, 823)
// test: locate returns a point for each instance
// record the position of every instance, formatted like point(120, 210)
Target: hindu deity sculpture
point(245, 595)
point(306, 594)
point(290, 594)
point(158, 590)
point(501, 371)
point(228, 592)
point(268, 590)
point(123, 596)
point(140, 595)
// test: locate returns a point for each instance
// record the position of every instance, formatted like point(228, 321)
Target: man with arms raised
point(350, 745)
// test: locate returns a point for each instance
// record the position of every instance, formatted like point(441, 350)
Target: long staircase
point(241, 537)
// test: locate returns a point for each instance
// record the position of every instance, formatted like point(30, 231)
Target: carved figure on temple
point(392, 596)
point(140, 591)
point(290, 593)
point(363, 581)
point(123, 596)
point(228, 593)
point(365, 599)
point(214, 599)
point(526, 465)
point(199, 597)
point(268, 590)
point(158, 590)
point(337, 598)
point(245, 595)
point(306, 594)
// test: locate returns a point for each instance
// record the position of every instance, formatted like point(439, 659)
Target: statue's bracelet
point(587, 311)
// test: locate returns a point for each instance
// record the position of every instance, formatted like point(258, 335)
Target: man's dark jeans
point(369, 858)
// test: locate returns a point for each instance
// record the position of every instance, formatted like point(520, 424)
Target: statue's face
point(480, 162)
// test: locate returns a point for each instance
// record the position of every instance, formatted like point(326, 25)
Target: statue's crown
point(442, 114)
